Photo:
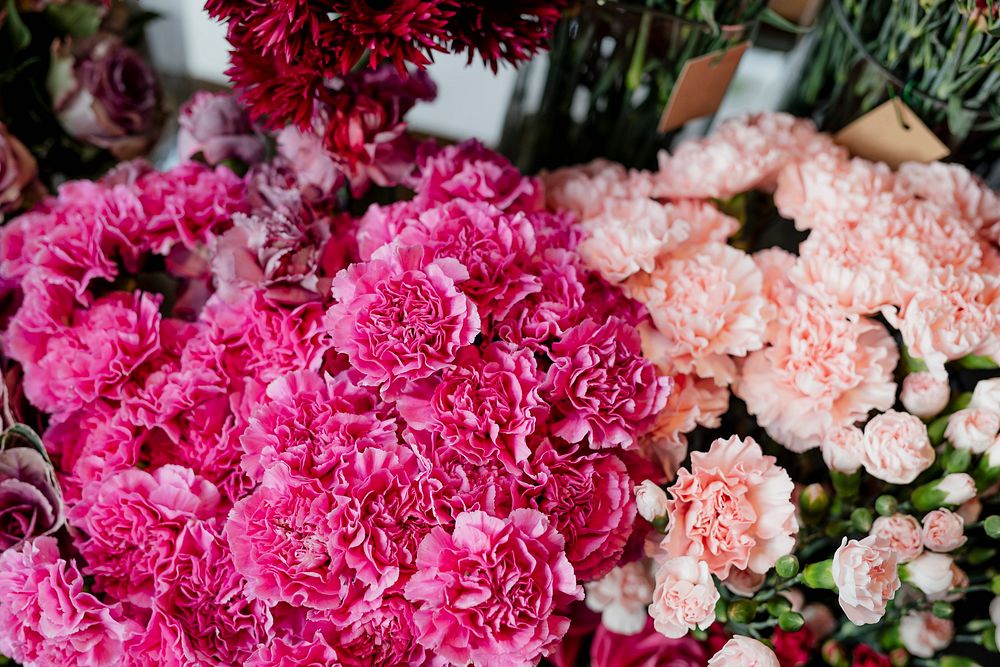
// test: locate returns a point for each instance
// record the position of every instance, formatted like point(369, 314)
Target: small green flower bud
point(833, 653)
point(943, 609)
point(791, 621)
point(819, 575)
point(814, 500)
point(778, 605)
point(953, 489)
point(886, 505)
point(957, 460)
point(721, 613)
point(989, 638)
point(742, 611)
point(899, 657)
point(861, 520)
point(992, 526)
point(995, 584)
point(788, 566)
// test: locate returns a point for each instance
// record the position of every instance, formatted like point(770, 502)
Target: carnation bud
point(788, 566)
point(650, 500)
point(930, 572)
point(924, 394)
point(742, 611)
point(995, 585)
point(986, 395)
point(899, 657)
point(992, 526)
point(814, 500)
point(819, 575)
point(989, 639)
point(886, 505)
point(861, 519)
point(972, 429)
point(791, 621)
point(833, 654)
point(953, 489)
point(957, 460)
point(721, 611)
point(943, 609)
point(846, 486)
point(778, 605)
point(988, 470)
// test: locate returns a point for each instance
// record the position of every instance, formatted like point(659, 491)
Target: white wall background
point(471, 100)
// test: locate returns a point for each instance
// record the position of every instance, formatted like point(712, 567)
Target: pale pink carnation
point(866, 575)
point(489, 591)
point(743, 651)
point(954, 188)
point(943, 531)
point(842, 448)
point(46, 618)
point(315, 172)
point(932, 573)
point(684, 598)
point(762, 144)
point(400, 317)
point(923, 634)
point(130, 524)
point(925, 394)
point(902, 533)
point(622, 596)
point(986, 395)
point(733, 509)
point(820, 371)
point(973, 430)
point(473, 172)
point(708, 306)
point(202, 613)
point(744, 583)
point(486, 407)
point(650, 500)
point(896, 447)
point(705, 222)
point(775, 265)
point(586, 190)
point(600, 387)
point(587, 497)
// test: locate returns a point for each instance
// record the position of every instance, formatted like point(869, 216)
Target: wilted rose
point(105, 94)
point(30, 501)
point(18, 171)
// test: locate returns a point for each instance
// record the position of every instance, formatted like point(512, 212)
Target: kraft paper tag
point(880, 136)
point(800, 12)
point(701, 86)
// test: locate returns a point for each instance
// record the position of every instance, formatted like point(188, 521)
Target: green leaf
point(776, 20)
point(14, 29)
point(78, 19)
point(974, 362)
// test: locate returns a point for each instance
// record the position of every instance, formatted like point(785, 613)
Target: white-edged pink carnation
point(743, 651)
point(733, 509)
point(866, 575)
point(902, 533)
point(684, 598)
point(820, 371)
point(399, 317)
point(708, 306)
point(896, 447)
point(489, 591)
point(622, 596)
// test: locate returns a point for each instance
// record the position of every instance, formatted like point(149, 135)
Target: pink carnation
point(97, 353)
point(201, 613)
point(217, 127)
point(896, 447)
point(820, 371)
point(131, 522)
point(733, 509)
point(645, 649)
point(943, 531)
point(866, 577)
point(472, 172)
point(46, 618)
point(901, 532)
point(486, 407)
point(684, 598)
point(708, 306)
point(400, 317)
point(622, 597)
point(600, 386)
point(489, 591)
point(586, 190)
point(316, 174)
point(309, 422)
point(587, 498)
point(954, 188)
point(743, 651)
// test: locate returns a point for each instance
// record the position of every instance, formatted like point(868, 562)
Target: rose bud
point(929, 572)
point(105, 94)
point(972, 429)
point(215, 126)
point(650, 500)
point(30, 501)
point(943, 531)
point(18, 172)
point(924, 394)
point(953, 489)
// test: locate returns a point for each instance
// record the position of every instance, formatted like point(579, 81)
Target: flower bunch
point(287, 436)
point(284, 53)
point(857, 364)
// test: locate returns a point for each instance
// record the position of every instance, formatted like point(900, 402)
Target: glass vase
point(602, 88)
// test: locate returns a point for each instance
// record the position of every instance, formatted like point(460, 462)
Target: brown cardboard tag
point(800, 12)
point(701, 86)
point(893, 134)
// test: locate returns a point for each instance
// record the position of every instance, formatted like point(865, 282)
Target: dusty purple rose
point(217, 127)
point(105, 94)
point(30, 502)
point(17, 171)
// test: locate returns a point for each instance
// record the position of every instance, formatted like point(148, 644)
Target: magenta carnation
point(46, 618)
point(400, 317)
point(131, 522)
point(489, 591)
point(600, 385)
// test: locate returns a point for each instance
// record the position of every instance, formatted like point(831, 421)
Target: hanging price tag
point(893, 134)
point(701, 86)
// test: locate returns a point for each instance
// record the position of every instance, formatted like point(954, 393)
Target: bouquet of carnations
point(840, 401)
point(76, 96)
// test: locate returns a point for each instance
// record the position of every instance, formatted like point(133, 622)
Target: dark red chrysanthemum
point(510, 30)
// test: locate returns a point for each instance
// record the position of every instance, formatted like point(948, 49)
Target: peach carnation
point(821, 371)
point(867, 578)
point(684, 598)
point(743, 651)
point(733, 509)
point(923, 634)
point(896, 447)
point(973, 430)
point(902, 533)
point(943, 531)
point(585, 190)
point(924, 394)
